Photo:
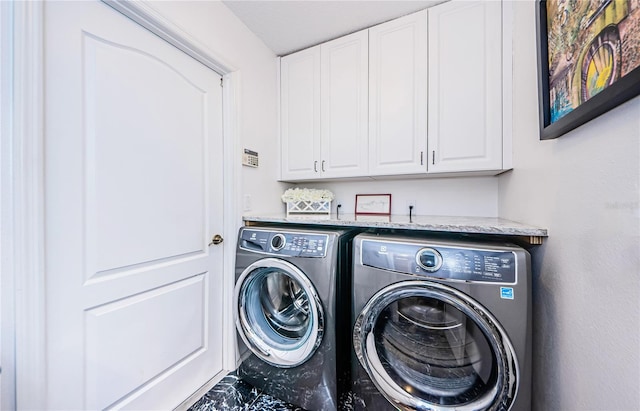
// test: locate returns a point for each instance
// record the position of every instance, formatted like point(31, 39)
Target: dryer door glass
point(279, 313)
point(435, 348)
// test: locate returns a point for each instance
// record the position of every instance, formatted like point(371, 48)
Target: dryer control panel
point(439, 261)
point(284, 243)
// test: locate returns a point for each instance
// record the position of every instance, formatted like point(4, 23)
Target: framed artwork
point(588, 58)
point(373, 204)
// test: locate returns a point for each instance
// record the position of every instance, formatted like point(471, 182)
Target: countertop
point(465, 225)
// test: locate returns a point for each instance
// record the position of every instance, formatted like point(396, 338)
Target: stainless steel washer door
point(279, 315)
point(428, 346)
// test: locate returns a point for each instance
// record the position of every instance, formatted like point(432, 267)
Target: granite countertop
point(466, 225)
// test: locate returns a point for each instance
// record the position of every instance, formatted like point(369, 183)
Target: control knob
point(429, 259)
point(278, 242)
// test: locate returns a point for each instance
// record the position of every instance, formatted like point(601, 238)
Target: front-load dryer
point(440, 324)
point(290, 312)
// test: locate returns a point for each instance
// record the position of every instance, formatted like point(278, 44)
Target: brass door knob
point(217, 239)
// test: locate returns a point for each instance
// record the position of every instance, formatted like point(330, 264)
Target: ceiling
point(286, 26)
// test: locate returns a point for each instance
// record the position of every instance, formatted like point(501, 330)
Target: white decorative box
point(308, 207)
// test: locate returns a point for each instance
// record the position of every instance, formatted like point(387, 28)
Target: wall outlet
point(246, 202)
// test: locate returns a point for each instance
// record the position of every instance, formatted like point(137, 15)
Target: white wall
point(215, 26)
point(583, 187)
point(468, 196)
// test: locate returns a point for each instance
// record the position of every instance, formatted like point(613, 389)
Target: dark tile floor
point(234, 394)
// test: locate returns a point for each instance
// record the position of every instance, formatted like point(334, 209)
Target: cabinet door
point(300, 114)
point(397, 96)
point(344, 106)
point(465, 86)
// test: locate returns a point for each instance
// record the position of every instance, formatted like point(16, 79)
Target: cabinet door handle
point(422, 158)
point(315, 166)
point(323, 166)
point(433, 157)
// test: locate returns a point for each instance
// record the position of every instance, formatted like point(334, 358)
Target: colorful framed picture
point(373, 204)
point(589, 60)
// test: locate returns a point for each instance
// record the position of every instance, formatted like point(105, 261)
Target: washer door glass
point(279, 315)
point(429, 346)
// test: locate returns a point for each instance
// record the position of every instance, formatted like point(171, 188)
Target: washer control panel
point(284, 243)
point(439, 261)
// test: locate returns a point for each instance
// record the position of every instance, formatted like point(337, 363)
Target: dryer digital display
point(451, 263)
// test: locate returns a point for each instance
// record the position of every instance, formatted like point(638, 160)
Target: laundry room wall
point(583, 187)
point(215, 26)
point(468, 196)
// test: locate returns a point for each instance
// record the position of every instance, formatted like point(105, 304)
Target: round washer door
point(429, 346)
point(279, 315)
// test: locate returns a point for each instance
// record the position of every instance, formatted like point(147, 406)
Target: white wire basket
point(308, 207)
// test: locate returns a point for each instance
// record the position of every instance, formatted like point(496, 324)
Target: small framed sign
point(373, 204)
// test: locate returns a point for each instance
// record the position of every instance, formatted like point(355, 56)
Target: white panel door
point(344, 106)
point(398, 96)
point(133, 154)
point(300, 114)
point(465, 86)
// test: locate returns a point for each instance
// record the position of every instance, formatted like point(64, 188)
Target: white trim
point(7, 305)
point(142, 13)
point(22, 200)
point(279, 111)
point(507, 85)
point(232, 197)
point(25, 201)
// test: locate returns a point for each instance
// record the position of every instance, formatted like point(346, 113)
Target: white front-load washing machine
point(293, 332)
point(440, 324)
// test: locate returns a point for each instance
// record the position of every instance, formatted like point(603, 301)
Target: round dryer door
point(428, 346)
point(278, 313)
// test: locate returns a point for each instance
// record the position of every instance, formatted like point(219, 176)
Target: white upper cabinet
point(427, 94)
point(344, 81)
point(324, 110)
point(300, 114)
point(465, 87)
point(398, 96)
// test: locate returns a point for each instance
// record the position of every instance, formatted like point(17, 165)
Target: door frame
point(22, 196)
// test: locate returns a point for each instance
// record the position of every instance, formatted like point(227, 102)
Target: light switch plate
point(247, 202)
point(250, 158)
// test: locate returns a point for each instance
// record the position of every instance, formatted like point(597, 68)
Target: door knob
point(217, 239)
